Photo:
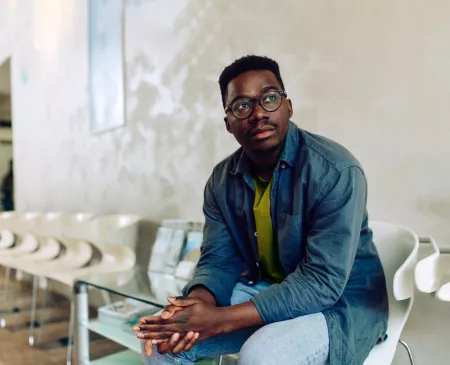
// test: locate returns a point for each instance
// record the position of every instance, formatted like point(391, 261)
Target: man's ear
point(227, 124)
point(291, 110)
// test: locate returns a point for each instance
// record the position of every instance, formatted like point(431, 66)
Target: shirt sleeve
point(332, 241)
point(220, 264)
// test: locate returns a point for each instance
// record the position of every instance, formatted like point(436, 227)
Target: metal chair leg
point(408, 350)
point(42, 309)
point(33, 311)
point(71, 328)
point(5, 297)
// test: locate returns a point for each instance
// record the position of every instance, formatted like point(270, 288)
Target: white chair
point(25, 244)
point(20, 225)
point(114, 238)
point(398, 248)
point(6, 235)
point(432, 274)
point(47, 247)
point(72, 254)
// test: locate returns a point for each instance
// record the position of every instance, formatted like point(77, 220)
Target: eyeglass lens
point(243, 107)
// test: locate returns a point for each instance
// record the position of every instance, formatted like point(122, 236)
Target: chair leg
point(5, 297)
point(408, 350)
point(33, 311)
point(43, 308)
point(71, 328)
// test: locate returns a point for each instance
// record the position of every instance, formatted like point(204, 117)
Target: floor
point(14, 348)
point(427, 332)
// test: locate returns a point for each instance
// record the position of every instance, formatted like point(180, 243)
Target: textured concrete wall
point(373, 75)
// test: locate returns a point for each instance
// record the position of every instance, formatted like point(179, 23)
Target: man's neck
point(264, 162)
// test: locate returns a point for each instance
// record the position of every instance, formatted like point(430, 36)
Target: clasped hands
point(181, 324)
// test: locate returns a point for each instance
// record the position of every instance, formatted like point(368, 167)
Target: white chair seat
point(76, 255)
point(6, 239)
point(26, 246)
point(48, 250)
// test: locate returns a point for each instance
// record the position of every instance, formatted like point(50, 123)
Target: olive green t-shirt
point(267, 247)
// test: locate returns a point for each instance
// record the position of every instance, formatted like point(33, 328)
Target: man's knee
point(257, 349)
point(303, 341)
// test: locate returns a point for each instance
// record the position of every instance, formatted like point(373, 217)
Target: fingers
point(149, 319)
point(190, 341)
point(183, 343)
point(154, 335)
point(169, 311)
point(160, 328)
point(177, 345)
point(182, 301)
point(148, 347)
point(157, 342)
point(167, 346)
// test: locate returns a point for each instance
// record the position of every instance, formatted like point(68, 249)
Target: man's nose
point(258, 114)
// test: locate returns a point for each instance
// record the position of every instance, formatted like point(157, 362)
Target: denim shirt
point(320, 222)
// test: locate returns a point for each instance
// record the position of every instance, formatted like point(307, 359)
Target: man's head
point(261, 124)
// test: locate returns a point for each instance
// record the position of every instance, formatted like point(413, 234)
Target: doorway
point(6, 140)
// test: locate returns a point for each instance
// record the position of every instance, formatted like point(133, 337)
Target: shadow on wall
point(439, 211)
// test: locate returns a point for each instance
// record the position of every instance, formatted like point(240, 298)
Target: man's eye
point(244, 105)
point(269, 98)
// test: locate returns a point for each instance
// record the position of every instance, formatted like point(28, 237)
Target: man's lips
point(262, 133)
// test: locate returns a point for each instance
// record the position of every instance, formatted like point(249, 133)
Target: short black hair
point(244, 64)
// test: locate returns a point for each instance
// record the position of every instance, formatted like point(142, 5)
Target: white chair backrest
point(46, 224)
point(7, 220)
point(25, 223)
point(116, 229)
point(397, 247)
point(53, 224)
point(4, 216)
point(107, 230)
point(427, 271)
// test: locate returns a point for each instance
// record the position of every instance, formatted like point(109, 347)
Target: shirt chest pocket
point(290, 240)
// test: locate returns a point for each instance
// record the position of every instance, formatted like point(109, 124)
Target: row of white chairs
point(62, 247)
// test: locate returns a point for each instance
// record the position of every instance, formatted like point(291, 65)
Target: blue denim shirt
point(318, 209)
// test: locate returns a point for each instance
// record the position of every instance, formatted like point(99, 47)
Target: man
point(288, 272)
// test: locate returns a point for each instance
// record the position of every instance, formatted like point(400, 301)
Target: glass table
point(138, 284)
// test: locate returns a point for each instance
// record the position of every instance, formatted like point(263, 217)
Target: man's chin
point(264, 146)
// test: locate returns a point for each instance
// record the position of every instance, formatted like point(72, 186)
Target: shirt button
point(251, 282)
point(283, 165)
point(255, 234)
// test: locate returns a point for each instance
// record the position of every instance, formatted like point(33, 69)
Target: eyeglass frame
point(256, 100)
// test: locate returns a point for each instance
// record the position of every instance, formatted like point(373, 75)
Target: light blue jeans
point(300, 341)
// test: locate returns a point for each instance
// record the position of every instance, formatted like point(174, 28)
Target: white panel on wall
point(106, 69)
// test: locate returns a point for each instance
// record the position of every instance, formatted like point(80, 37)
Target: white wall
point(372, 75)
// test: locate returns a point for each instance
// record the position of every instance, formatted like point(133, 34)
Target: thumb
point(182, 301)
point(169, 311)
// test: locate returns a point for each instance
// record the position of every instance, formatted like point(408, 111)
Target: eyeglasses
point(243, 107)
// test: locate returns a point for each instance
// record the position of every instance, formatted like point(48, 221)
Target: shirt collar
point(288, 154)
